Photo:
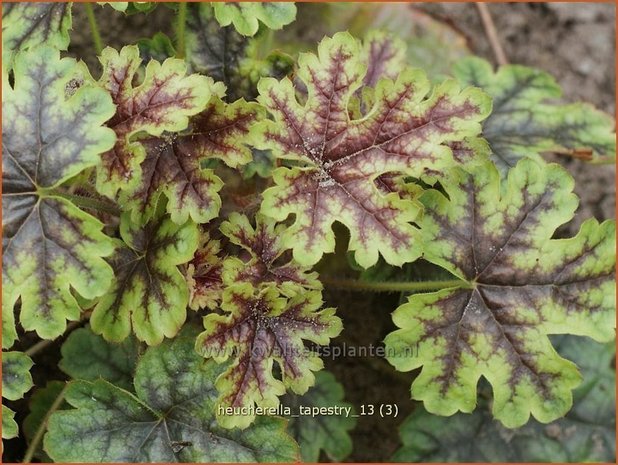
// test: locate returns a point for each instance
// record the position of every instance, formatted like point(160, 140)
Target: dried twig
point(492, 34)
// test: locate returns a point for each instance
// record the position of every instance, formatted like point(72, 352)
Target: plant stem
point(181, 20)
point(89, 203)
point(413, 286)
point(96, 37)
point(43, 426)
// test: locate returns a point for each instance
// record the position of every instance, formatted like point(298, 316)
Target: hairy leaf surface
point(257, 331)
point(324, 432)
point(28, 24)
point(518, 286)
point(16, 381)
point(246, 16)
point(265, 262)
point(586, 434)
point(149, 293)
point(170, 418)
point(88, 357)
point(162, 101)
point(404, 131)
point(50, 247)
point(173, 163)
point(525, 123)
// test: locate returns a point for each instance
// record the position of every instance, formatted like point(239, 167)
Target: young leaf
point(586, 434)
point(149, 292)
point(245, 16)
point(204, 274)
point(525, 123)
point(518, 286)
point(257, 331)
point(173, 164)
point(16, 381)
point(170, 418)
point(50, 247)
point(404, 131)
point(262, 165)
point(265, 250)
point(27, 24)
point(89, 357)
point(163, 101)
point(158, 48)
point(324, 432)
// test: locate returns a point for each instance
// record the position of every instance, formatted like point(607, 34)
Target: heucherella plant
point(179, 212)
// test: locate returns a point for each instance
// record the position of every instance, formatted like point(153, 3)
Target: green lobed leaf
point(173, 163)
point(266, 262)
point(257, 331)
point(246, 16)
point(405, 130)
point(50, 247)
point(16, 381)
point(149, 293)
point(28, 24)
point(518, 286)
point(526, 121)
point(323, 432)
point(586, 434)
point(170, 418)
point(88, 357)
point(163, 101)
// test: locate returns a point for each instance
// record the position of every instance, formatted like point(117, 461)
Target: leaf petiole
point(89, 203)
point(393, 286)
point(43, 426)
point(96, 36)
point(181, 20)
